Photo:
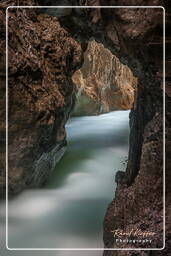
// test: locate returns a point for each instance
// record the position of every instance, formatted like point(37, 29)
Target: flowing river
point(69, 211)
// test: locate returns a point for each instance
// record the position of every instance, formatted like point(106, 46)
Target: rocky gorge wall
point(42, 58)
point(134, 36)
point(41, 93)
point(102, 84)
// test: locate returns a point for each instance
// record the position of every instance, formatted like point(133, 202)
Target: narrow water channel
point(69, 211)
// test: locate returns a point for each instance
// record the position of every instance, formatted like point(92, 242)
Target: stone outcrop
point(102, 84)
point(42, 58)
point(135, 37)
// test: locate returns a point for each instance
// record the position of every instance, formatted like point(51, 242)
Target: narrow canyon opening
point(78, 192)
point(60, 187)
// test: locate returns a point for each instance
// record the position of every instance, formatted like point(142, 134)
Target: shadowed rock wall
point(42, 59)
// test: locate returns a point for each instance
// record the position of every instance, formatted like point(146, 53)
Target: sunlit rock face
point(103, 84)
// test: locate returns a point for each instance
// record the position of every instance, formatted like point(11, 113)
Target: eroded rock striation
point(102, 84)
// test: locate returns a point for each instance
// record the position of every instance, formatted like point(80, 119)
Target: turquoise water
point(69, 211)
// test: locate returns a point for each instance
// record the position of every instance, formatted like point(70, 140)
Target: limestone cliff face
point(103, 84)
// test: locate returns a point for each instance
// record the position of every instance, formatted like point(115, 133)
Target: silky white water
point(69, 211)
